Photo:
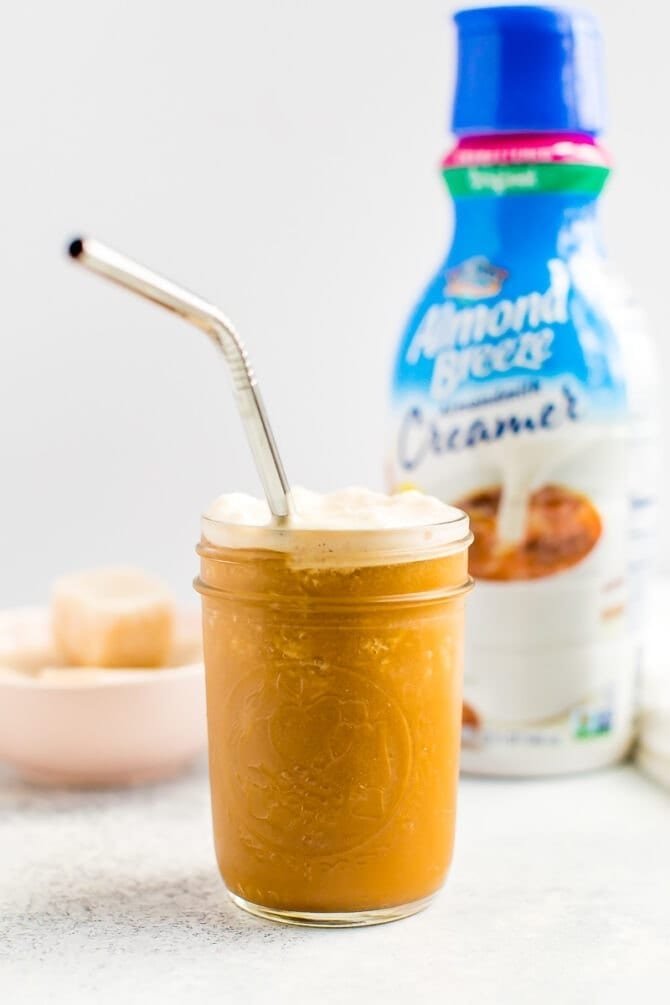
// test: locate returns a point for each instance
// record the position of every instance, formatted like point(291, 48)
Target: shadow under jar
point(334, 673)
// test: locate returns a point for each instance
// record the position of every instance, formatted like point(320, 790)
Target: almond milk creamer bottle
point(523, 393)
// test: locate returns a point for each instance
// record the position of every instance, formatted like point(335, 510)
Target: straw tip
point(75, 247)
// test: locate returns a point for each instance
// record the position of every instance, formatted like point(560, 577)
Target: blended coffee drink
point(333, 653)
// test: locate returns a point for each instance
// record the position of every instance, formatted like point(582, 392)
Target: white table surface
point(560, 892)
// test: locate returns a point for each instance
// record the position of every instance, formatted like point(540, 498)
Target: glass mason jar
point(334, 675)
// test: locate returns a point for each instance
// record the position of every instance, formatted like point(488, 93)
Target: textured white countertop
point(560, 892)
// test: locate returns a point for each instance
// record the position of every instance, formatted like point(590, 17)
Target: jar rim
point(342, 546)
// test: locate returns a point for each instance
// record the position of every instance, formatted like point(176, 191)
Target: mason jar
point(334, 663)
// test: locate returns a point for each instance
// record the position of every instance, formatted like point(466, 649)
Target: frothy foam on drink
point(350, 520)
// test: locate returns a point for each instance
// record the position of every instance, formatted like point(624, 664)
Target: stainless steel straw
point(213, 322)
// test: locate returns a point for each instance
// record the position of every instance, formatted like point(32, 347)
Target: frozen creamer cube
point(25, 640)
point(112, 617)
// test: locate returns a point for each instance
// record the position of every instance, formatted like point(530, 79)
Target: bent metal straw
point(124, 271)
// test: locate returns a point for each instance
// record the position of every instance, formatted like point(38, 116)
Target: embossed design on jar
point(322, 756)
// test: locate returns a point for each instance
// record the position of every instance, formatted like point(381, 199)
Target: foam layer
point(351, 521)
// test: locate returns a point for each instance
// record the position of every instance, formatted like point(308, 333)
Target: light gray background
point(281, 159)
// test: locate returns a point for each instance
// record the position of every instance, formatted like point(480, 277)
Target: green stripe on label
point(525, 179)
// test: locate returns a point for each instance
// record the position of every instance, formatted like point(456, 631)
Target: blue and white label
point(517, 395)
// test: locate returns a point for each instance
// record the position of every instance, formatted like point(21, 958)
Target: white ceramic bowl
point(102, 727)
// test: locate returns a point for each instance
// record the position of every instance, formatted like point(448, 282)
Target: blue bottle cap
point(528, 70)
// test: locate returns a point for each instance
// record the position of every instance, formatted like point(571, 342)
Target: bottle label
point(517, 397)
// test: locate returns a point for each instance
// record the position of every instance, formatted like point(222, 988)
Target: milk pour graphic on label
point(523, 393)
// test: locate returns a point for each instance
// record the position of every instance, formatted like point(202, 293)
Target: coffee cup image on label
point(560, 528)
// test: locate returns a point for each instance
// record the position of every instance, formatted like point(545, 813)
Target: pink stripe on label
point(529, 148)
